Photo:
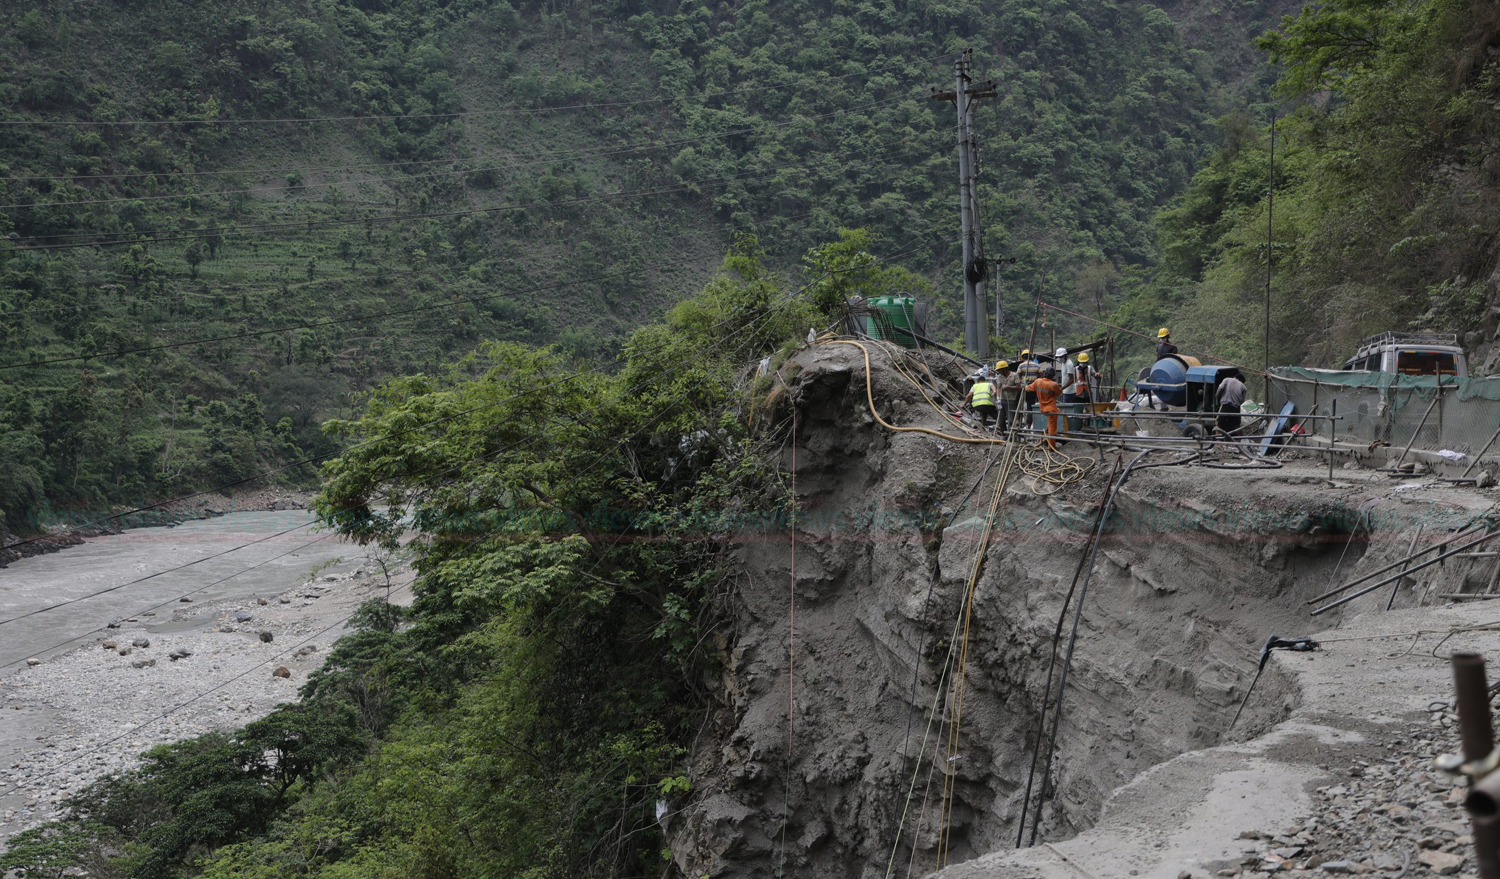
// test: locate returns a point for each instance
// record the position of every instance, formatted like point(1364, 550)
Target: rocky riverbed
point(68, 720)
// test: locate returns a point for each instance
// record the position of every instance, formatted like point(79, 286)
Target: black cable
point(173, 600)
point(179, 706)
point(451, 115)
point(318, 458)
point(330, 321)
point(224, 230)
point(550, 158)
point(261, 663)
point(33, 613)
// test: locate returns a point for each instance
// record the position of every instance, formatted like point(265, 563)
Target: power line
point(174, 599)
point(323, 323)
point(224, 231)
point(213, 292)
point(262, 663)
point(402, 432)
point(520, 111)
point(181, 705)
point(541, 158)
point(33, 613)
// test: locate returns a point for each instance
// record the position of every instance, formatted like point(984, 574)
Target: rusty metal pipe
point(1476, 735)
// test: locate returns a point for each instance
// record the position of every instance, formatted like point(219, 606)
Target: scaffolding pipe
point(1390, 567)
point(1427, 564)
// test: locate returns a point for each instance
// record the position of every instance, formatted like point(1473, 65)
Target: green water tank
point(890, 315)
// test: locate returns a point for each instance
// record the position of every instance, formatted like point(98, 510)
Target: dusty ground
point(94, 710)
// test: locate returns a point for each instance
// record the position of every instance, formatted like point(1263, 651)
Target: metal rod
point(1409, 547)
point(1147, 413)
point(1476, 735)
point(1390, 567)
point(1479, 555)
point(1474, 463)
point(1467, 596)
point(1420, 424)
point(1334, 411)
point(1430, 562)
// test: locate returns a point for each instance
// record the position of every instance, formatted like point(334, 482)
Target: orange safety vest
point(1046, 391)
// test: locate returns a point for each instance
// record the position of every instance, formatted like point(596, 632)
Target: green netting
point(1376, 407)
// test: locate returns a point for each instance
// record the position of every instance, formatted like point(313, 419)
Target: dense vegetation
point(530, 710)
point(524, 717)
point(606, 150)
point(1386, 184)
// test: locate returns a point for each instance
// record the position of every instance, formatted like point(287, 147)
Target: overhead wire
point(162, 235)
point(259, 664)
point(453, 114)
point(448, 303)
point(402, 432)
point(72, 601)
point(176, 599)
point(79, 755)
point(539, 158)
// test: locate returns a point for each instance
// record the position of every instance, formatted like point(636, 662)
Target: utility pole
point(964, 95)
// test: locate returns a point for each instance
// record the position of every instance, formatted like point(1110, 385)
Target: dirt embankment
point(1198, 568)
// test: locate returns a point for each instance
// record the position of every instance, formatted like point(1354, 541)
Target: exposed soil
point(1198, 568)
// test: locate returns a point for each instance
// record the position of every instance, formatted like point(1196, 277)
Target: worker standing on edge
point(1029, 371)
point(981, 397)
point(1010, 394)
point(1064, 366)
point(1164, 346)
point(1078, 391)
point(1047, 391)
point(1231, 398)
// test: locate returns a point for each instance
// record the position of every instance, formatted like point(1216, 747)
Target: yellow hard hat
point(1163, 333)
point(1002, 364)
point(1083, 357)
point(1026, 352)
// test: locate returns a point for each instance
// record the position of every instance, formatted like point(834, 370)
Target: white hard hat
point(1062, 352)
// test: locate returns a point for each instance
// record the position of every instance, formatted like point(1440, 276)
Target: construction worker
point(1009, 384)
point(1078, 392)
point(981, 397)
point(1029, 371)
point(1064, 367)
point(1231, 398)
point(1047, 391)
point(1164, 346)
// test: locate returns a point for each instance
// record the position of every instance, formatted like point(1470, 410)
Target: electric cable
point(69, 601)
point(526, 111)
point(404, 431)
point(75, 757)
point(549, 158)
point(176, 599)
point(161, 235)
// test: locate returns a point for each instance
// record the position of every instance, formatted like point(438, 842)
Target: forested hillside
point(1385, 201)
point(568, 504)
point(334, 192)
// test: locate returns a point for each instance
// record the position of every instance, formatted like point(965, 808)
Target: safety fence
point(1463, 415)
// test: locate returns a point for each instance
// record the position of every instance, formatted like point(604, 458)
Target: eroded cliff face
point(1199, 567)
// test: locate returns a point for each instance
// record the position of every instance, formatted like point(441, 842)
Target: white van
point(1410, 354)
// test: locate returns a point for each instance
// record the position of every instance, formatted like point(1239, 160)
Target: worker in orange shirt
point(1047, 391)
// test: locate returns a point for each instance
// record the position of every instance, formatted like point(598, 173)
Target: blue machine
point(1168, 379)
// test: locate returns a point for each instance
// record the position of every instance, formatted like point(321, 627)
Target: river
point(264, 591)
